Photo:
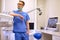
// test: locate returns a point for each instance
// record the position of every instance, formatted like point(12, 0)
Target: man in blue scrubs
point(20, 23)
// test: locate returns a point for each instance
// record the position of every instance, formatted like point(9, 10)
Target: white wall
point(30, 5)
point(0, 5)
point(9, 5)
point(50, 8)
point(53, 8)
point(41, 19)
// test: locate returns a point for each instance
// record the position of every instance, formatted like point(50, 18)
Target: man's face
point(20, 5)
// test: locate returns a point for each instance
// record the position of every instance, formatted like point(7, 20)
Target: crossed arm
point(13, 14)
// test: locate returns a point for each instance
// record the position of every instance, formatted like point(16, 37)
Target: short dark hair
point(22, 2)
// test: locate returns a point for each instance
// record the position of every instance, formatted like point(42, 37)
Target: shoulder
point(25, 13)
point(15, 11)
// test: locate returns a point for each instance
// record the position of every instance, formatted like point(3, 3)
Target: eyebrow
point(19, 3)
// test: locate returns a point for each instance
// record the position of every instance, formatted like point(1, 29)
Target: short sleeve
point(14, 11)
point(27, 17)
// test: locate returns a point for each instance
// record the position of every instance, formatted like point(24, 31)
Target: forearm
point(27, 24)
point(12, 14)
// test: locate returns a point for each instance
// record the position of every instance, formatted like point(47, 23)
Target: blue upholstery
point(37, 35)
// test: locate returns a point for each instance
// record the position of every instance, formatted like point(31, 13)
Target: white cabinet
point(56, 38)
point(50, 35)
point(5, 20)
point(7, 34)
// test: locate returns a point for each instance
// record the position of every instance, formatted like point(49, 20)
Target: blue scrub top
point(19, 25)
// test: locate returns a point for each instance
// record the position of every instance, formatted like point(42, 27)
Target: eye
point(20, 4)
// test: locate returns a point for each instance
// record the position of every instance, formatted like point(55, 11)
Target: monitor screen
point(31, 26)
point(52, 22)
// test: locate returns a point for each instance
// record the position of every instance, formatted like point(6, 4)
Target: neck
point(20, 10)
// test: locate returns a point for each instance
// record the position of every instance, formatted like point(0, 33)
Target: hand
point(21, 17)
point(27, 32)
